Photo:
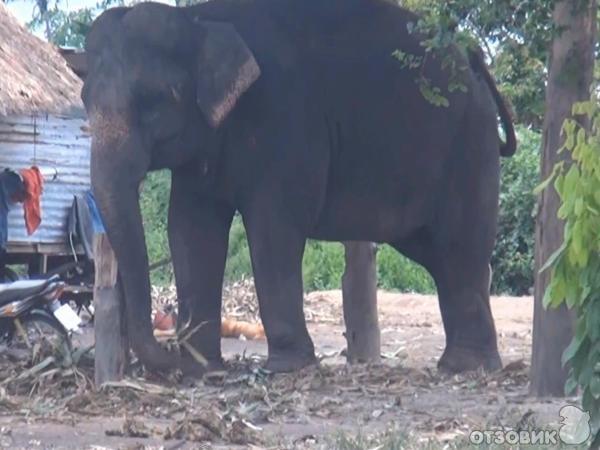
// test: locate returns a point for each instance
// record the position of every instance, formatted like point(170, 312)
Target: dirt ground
point(248, 408)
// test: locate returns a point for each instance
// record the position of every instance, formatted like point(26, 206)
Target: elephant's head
point(159, 84)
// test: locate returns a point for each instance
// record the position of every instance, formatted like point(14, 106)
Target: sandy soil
point(247, 407)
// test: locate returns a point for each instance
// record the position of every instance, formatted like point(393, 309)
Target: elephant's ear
point(226, 69)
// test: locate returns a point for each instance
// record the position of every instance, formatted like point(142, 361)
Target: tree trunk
point(359, 291)
point(570, 74)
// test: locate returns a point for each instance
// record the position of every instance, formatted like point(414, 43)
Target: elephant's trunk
point(115, 185)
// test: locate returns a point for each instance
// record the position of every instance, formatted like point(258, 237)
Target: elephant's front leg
point(198, 238)
point(276, 250)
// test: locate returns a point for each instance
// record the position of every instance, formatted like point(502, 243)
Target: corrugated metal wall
point(50, 142)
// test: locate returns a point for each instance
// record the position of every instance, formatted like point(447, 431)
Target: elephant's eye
point(149, 105)
point(161, 120)
point(149, 115)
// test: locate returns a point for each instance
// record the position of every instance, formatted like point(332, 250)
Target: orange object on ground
point(164, 321)
point(234, 328)
point(33, 185)
point(164, 324)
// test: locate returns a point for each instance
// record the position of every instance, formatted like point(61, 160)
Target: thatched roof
point(34, 77)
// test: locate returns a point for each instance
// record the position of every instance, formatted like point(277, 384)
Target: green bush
point(512, 261)
point(323, 265)
point(238, 256)
point(154, 203)
point(398, 273)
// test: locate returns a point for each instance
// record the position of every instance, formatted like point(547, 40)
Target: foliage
point(512, 260)
point(514, 35)
point(65, 28)
point(154, 203)
point(521, 78)
point(68, 27)
point(575, 266)
point(323, 265)
point(437, 34)
point(396, 272)
point(238, 256)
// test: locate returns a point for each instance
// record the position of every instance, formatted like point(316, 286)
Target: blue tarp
point(97, 223)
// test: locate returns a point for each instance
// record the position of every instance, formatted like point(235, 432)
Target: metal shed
point(42, 123)
point(60, 147)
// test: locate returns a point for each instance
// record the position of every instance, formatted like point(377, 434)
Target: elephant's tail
point(509, 147)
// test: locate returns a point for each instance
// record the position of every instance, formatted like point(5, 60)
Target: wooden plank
point(110, 327)
point(42, 248)
point(105, 262)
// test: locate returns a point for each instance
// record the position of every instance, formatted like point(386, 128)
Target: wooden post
point(359, 291)
point(110, 326)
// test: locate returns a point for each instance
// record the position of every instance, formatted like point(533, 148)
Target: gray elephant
point(297, 115)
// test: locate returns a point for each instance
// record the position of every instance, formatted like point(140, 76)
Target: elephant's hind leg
point(463, 235)
point(462, 273)
point(463, 291)
point(276, 251)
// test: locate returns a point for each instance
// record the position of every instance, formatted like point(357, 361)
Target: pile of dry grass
point(240, 302)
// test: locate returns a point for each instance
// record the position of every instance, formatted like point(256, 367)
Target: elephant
point(298, 116)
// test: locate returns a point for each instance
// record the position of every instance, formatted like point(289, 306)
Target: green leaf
point(571, 385)
point(587, 400)
point(578, 248)
point(579, 206)
point(592, 318)
point(571, 179)
point(582, 108)
point(544, 184)
point(559, 184)
point(594, 211)
point(432, 94)
point(572, 294)
point(555, 293)
point(571, 350)
point(586, 375)
point(554, 257)
point(581, 137)
point(547, 300)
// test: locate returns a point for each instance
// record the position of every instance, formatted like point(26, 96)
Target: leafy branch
point(439, 36)
point(575, 266)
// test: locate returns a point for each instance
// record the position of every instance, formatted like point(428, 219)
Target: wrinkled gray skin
point(295, 114)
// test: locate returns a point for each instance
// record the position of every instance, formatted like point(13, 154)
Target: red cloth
point(33, 185)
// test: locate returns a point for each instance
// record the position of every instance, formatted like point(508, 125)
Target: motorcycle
point(32, 317)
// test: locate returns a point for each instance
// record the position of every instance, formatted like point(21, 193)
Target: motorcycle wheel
point(41, 335)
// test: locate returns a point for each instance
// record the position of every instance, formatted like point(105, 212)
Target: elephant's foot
point(281, 362)
point(193, 369)
point(154, 357)
point(457, 360)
